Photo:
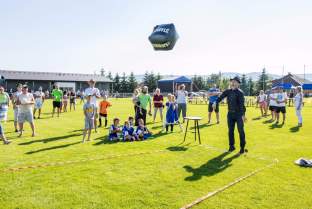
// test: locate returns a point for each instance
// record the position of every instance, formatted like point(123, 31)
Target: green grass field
point(157, 173)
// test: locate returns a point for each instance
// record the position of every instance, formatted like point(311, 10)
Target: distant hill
point(254, 75)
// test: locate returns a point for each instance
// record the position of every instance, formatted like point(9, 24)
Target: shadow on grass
point(50, 139)
point(52, 148)
point(203, 125)
point(210, 168)
point(274, 126)
point(177, 148)
point(156, 127)
point(294, 129)
point(257, 118)
point(268, 121)
point(104, 139)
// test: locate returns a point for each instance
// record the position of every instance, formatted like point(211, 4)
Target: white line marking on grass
point(49, 164)
point(238, 180)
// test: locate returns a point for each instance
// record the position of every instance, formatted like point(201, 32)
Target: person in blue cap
point(213, 94)
point(236, 113)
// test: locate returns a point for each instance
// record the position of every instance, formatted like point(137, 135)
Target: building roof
point(48, 76)
point(291, 79)
point(177, 79)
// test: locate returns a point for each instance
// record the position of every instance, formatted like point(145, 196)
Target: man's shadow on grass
point(56, 138)
point(210, 168)
point(52, 148)
point(294, 129)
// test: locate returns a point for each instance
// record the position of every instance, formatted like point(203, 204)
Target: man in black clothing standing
point(236, 113)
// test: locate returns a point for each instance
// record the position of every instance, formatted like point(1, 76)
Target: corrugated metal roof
point(48, 76)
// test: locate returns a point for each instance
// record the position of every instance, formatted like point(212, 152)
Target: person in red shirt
point(104, 104)
point(158, 100)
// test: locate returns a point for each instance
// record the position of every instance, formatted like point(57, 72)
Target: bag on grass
point(304, 162)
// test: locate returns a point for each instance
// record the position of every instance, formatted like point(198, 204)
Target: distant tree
point(109, 75)
point(158, 77)
point(132, 82)
point(262, 83)
point(146, 78)
point(244, 85)
point(198, 83)
point(251, 87)
point(213, 79)
point(224, 84)
point(124, 83)
point(117, 83)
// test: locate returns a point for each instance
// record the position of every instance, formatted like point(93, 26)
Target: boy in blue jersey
point(213, 94)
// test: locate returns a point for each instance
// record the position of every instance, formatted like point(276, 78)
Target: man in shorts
point(15, 106)
point(281, 104)
point(25, 112)
point(57, 95)
point(95, 94)
point(39, 99)
point(213, 94)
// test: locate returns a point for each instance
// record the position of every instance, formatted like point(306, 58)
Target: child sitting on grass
point(89, 113)
point(142, 131)
point(104, 104)
point(115, 130)
point(172, 113)
point(128, 132)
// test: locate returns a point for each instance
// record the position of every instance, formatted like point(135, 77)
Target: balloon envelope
point(164, 37)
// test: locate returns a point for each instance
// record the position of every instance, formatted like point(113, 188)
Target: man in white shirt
point(273, 104)
point(281, 101)
point(25, 111)
point(95, 92)
point(15, 106)
point(39, 99)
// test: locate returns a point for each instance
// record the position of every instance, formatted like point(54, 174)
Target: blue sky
point(83, 36)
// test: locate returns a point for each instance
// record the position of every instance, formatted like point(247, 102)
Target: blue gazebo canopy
point(286, 86)
point(177, 79)
point(307, 86)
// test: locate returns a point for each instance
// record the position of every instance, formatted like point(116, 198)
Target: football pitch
point(55, 170)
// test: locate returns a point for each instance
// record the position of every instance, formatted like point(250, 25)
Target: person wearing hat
point(95, 94)
point(25, 111)
point(15, 106)
point(236, 113)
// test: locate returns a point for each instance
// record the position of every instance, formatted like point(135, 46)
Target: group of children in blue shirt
point(129, 133)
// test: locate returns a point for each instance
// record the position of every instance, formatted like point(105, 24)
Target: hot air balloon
point(164, 37)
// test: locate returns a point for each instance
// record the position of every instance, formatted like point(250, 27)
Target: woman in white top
point(181, 100)
point(298, 104)
point(262, 103)
point(273, 104)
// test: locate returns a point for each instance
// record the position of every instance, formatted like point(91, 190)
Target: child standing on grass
point(89, 112)
point(142, 131)
point(128, 132)
point(104, 104)
point(262, 103)
point(172, 113)
point(131, 121)
point(299, 104)
point(115, 130)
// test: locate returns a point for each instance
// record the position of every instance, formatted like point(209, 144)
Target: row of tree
point(127, 83)
point(249, 86)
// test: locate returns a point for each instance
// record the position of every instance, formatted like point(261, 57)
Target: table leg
point(186, 130)
point(195, 128)
point(198, 132)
